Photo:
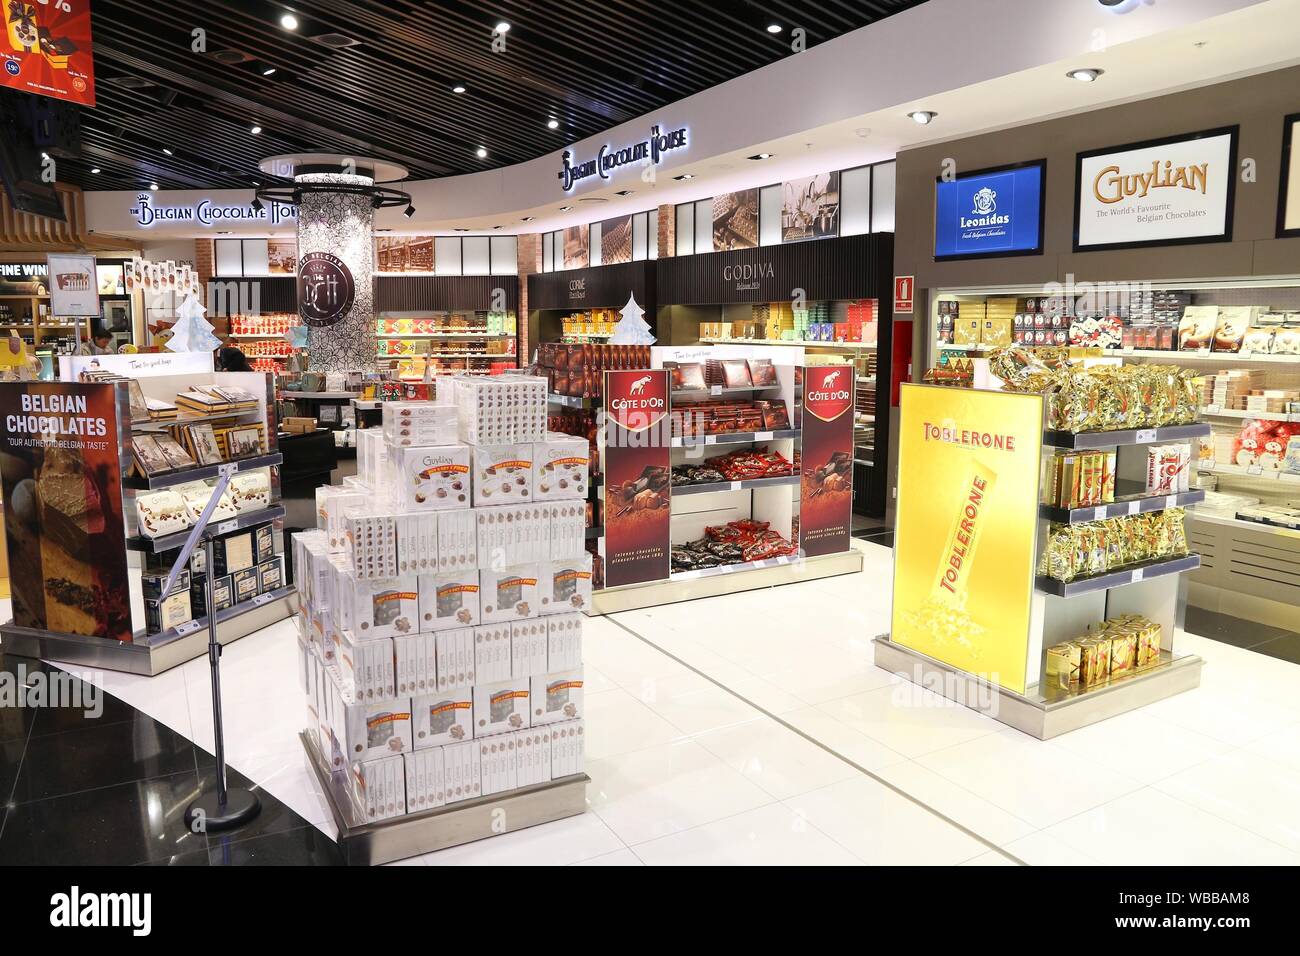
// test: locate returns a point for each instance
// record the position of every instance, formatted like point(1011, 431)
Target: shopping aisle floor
point(755, 728)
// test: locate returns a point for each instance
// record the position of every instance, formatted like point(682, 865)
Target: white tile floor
point(755, 729)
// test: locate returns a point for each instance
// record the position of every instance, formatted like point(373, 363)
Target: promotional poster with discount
point(638, 477)
point(47, 49)
point(826, 488)
point(64, 528)
point(967, 527)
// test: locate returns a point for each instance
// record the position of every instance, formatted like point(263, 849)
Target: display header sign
point(990, 212)
point(967, 528)
point(205, 212)
point(1157, 193)
point(647, 152)
point(74, 285)
point(47, 49)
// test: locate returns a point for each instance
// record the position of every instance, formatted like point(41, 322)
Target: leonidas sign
point(1161, 192)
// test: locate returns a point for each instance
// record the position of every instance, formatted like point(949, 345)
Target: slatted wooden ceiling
point(588, 65)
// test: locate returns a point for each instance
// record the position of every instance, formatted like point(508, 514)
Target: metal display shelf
point(169, 542)
point(733, 438)
point(169, 478)
point(725, 579)
point(412, 834)
point(145, 423)
point(1118, 509)
point(1043, 714)
point(1214, 411)
point(289, 395)
point(806, 344)
point(149, 655)
point(445, 335)
point(1126, 436)
point(1248, 471)
point(1220, 357)
point(571, 401)
point(715, 486)
point(1114, 579)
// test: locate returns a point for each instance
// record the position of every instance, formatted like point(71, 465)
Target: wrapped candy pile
point(732, 543)
point(737, 466)
point(1097, 547)
point(1100, 398)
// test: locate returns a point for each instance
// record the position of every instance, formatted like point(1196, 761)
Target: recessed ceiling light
point(223, 232)
point(684, 176)
point(268, 71)
point(289, 21)
point(623, 192)
point(758, 156)
point(553, 124)
point(774, 28)
point(565, 208)
point(502, 27)
point(481, 153)
point(255, 130)
point(458, 88)
point(496, 227)
point(167, 151)
point(45, 155)
point(528, 219)
point(922, 117)
point(461, 230)
point(94, 169)
point(153, 185)
point(1085, 76)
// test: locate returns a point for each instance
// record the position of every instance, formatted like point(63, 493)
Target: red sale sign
point(47, 49)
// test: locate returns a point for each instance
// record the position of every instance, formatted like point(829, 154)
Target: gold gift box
point(966, 331)
point(1063, 665)
point(1148, 645)
point(1094, 660)
point(1123, 652)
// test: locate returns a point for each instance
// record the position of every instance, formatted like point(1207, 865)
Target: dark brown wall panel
point(445, 293)
point(600, 287)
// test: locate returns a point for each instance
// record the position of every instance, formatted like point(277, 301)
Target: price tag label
point(1212, 409)
point(736, 485)
point(1137, 575)
point(227, 526)
point(263, 599)
point(715, 389)
point(710, 439)
point(1145, 435)
point(189, 627)
point(1255, 470)
point(1098, 513)
point(1134, 507)
point(762, 436)
point(1207, 465)
point(1245, 353)
point(1171, 501)
point(1127, 350)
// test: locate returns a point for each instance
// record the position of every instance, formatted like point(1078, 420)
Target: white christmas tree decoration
point(632, 329)
point(192, 332)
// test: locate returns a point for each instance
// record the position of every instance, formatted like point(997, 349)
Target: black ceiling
point(590, 66)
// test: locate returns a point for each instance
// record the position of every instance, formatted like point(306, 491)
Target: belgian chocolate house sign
point(648, 152)
point(325, 289)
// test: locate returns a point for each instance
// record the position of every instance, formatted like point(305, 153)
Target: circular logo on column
point(325, 289)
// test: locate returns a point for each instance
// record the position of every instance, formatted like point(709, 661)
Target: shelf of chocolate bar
point(169, 478)
point(736, 546)
point(733, 438)
point(736, 471)
point(1112, 650)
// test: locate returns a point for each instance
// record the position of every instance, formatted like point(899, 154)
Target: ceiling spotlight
point(268, 72)
point(502, 27)
point(922, 117)
point(684, 176)
point(565, 208)
point(461, 230)
point(458, 88)
point(774, 28)
point(168, 151)
point(553, 124)
point(409, 211)
point(481, 153)
point(256, 130)
point(528, 219)
point(758, 156)
point(289, 21)
point(94, 169)
point(496, 227)
point(1085, 76)
point(623, 192)
point(256, 204)
point(153, 186)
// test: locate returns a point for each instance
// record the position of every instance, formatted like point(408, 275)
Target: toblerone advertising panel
point(967, 528)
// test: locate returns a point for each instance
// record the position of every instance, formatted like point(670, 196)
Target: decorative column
point(335, 269)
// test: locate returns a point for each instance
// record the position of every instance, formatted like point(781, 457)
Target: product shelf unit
point(170, 542)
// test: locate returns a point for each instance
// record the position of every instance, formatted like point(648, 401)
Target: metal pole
point(214, 662)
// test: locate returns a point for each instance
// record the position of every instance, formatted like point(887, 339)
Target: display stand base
point(724, 580)
point(397, 838)
point(141, 657)
point(1048, 716)
point(207, 816)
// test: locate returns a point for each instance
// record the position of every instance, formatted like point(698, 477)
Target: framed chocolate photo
point(244, 442)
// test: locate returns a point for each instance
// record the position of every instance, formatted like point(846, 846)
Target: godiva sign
point(1161, 192)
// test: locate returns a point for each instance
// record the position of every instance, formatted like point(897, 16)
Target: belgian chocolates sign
point(826, 485)
point(646, 152)
point(325, 289)
point(638, 477)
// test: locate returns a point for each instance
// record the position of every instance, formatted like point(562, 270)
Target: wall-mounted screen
point(990, 212)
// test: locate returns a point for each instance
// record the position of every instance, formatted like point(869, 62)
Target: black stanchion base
point(205, 814)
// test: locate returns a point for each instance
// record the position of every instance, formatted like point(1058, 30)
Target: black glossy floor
point(85, 791)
